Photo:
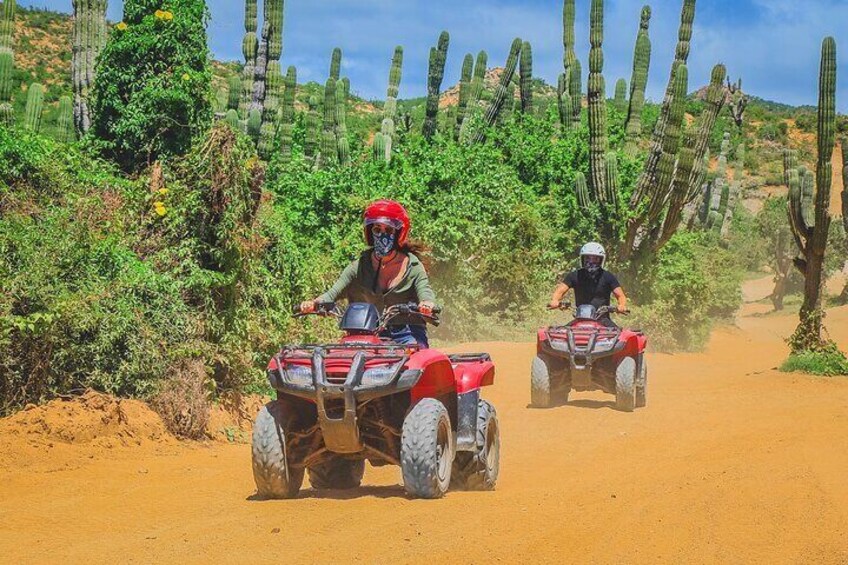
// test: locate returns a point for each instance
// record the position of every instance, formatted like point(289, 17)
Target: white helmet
point(595, 249)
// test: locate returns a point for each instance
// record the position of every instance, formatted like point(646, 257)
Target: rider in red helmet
point(387, 273)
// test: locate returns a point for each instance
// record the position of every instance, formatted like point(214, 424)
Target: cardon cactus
point(285, 129)
point(329, 147)
point(342, 143)
point(34, 107)
point(738, 101)
point(438, 56)
point(582, 191)
point(249, 48)
point(395, 73)
point(234, 84)
point(7, 55)
point(464, 92)
point(638, 83)
point(268, 61)
point(89, 38)
point(620, 100)
point(810, 219)
point(232, 119)
point(526, 78)
point(336, 64)
point(571, 65)
point(476, 90)
point(564, 101)
point(844, 143)
point(254, 124)
point(379, 148)
point(313, 128)
point(598, 144)
point(65, 120)
point(502, 90)
point(270, 110)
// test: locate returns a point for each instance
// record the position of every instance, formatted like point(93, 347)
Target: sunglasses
point(378, 229)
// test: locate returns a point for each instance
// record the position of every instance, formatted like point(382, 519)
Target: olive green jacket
point(358, 283)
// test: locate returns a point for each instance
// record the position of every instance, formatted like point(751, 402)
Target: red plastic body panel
point(437, 376)
point(473, 375)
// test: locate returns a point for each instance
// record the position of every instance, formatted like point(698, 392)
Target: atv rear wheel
point(625, 385)
point(272, 473)
point(337, 473)
point(642, 384)
point(478, 470)
point(426, 451)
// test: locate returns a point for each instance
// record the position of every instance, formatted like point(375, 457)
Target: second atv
point(586, 355)
point(370, 399)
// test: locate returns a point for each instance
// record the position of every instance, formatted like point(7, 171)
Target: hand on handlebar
point(308, 306)
point(563, 305)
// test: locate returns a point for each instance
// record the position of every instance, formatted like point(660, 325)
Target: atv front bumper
point(337, 398)
point(582, 348)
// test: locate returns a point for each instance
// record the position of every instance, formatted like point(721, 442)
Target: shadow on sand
point(367, 491)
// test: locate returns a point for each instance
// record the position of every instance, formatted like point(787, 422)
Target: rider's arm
point(559, 293)
point(622, 299)
point(423, 290)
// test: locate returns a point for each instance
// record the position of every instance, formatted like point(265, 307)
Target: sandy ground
point(730, 462)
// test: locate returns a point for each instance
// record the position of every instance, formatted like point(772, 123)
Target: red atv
point(587, 355)
point(367, 398)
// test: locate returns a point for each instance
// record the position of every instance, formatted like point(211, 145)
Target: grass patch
point(829, 363)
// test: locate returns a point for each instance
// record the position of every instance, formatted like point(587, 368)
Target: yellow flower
point(160, 15)
point(163, 191)
point(168, 16)
point(161, 212)
point(186, 76)
point(121, 26)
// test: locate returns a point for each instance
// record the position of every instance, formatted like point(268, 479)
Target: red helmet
point(390, 213)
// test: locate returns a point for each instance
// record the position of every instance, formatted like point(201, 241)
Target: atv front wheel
point(271, 470)
point(426, 451)
point(625, 385)
point(478, 470)
point(642, 384)
point(337, 473)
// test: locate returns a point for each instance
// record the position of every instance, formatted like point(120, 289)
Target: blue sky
point(773, 44)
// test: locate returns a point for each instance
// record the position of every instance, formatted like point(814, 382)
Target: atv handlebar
point(321, 309)
point(603, 310)
point(410, 309)
point(564, 305)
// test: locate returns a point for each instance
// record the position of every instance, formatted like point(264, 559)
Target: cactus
point(526, 78)
point(738, 101)
point(383, 150)
point(379, 148)
point(810, 217)
point(502, 90)
point(342, 143)
point(598, 144)
point(313, 128)
point(611, 197)
point(234, 93)
point(390, 109)
point(638, 83)
point(564, 102)
point(582, 191)
point(65, 120)
point(254, 124)
point(88, 40)
point(571, 65)
point(475, 92)
point(232, 119)
point(34, 106)
point(285, 129)
point(336, 64)
point(438, 56)
point(464, 93)
point(7, 54)
point(268, 62)
point(249, 48)
point(270, 109)
point(620, 100)
point(843, 298)
point(329, 146)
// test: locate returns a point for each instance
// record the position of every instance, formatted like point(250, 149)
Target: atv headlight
point(298, 375)
point(604, 345)
point(378, 376)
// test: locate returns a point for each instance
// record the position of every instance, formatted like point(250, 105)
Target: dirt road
point(731, 462)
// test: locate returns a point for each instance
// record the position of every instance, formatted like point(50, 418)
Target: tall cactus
point(620, 100)
point(336, 64)
point(329, 146)
point(564, 101)
point(438, 57)
point(638, 83)
point(285, 129)
point(526, 78)
point(249, 48)
point(475, 91)
point(313, 128)
point(395, 73)
point(342, 143)
point(811, 226)
point(34, 107)
point(270, 109)
point(65, 120)
point(582, 191)
point(502, 90)
point(267, 77)
point(89, 38)
point(464, 93)
point(571, 65)
point(844, 143)
point(598, 144)
point(7, 62)
point(234, 93)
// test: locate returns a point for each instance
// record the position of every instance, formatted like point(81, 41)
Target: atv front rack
point(583, 345)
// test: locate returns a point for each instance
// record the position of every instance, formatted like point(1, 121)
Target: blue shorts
point(408, 335)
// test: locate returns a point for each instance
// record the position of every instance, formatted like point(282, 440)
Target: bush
point(152, 90)
point(829, 362)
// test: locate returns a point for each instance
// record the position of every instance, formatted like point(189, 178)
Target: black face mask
point(384, 244)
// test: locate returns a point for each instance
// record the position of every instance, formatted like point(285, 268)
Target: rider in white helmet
point(591, 283)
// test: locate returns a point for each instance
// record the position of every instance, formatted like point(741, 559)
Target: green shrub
point(152, 92)
point(830, 362)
